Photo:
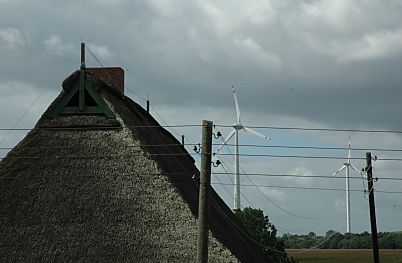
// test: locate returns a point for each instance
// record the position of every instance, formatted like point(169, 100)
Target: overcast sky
point(314, 64)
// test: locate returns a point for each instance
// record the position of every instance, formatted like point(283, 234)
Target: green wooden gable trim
point(82, 99)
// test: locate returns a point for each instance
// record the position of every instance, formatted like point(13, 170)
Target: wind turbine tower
point(346, 167)
point(236, 128)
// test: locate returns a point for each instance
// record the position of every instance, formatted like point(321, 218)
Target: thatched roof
point(90, 189)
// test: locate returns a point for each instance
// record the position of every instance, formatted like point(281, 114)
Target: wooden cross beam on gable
point(82, 99)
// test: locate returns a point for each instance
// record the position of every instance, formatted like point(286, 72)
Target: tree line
point(263, 232)
point(334, 239)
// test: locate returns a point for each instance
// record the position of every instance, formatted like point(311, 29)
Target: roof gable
point(108, 189)
point(82, 99)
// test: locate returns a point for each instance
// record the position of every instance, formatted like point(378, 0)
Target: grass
point(345, 255)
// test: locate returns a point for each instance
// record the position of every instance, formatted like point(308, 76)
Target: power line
point(312, 147)
point(315, 129)
point(309, 157)
point(316, 246)
point(100, 63)
point(141, 97)
point(168, 126)
point(89, 147)
point(93, 55)
point(220, 183)
point(96, 156)
point(299, 175)
point(280, 229)
point(245, 198)
point(101, 127)
point(25, 113)
point(251, 205)
point(285, 128)
point(41, 92)
point(225, 154)
point(241, 145)
point(230, 222)
point(315, 176)
point(311, 188)
point(272, 202)
point(227, 174)
point(263, 194)
point(136, 94)
point(224, 188)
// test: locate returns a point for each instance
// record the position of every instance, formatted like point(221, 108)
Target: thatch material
point(87, 189)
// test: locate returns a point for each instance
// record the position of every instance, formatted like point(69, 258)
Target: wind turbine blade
point(256, 133)
point(226, 140)
point(340, 169)
point(236, 104)
point(354, 168)
point(349, 149)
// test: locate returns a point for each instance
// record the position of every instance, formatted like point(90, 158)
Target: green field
point(345, 255)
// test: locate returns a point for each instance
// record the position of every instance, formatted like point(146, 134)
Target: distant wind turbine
point(237, 127)
point(346, 166)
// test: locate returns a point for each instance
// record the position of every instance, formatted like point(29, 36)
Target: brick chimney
point(114, 76)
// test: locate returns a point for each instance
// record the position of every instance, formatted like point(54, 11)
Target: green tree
point(311, 235)
point(334, 239)
point(263, 232)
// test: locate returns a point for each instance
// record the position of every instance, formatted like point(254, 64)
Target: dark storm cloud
point(328, 63)
point(312, 59)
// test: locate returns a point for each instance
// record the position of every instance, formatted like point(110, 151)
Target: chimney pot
point(113, 76)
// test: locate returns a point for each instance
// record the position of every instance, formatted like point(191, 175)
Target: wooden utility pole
point(82, 55)
point(205, 184)
point(147, 103)
point(82, 79)
point(369, 170)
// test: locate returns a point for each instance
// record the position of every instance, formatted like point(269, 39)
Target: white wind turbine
point(346, 166)
point(237, 127)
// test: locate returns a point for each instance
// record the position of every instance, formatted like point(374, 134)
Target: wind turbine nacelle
point(237, 126)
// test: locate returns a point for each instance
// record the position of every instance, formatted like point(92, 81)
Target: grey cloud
point(11, 38)
point(327, 63)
